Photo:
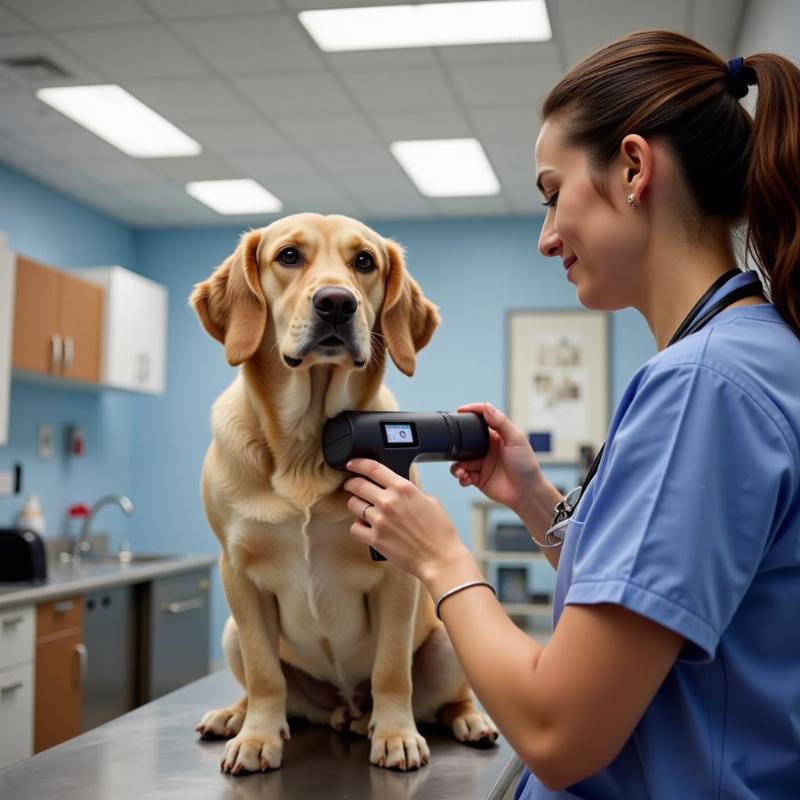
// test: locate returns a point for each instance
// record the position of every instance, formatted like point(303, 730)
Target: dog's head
point(327, 285)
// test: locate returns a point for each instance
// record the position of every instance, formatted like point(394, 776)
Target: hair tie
point(739, 77)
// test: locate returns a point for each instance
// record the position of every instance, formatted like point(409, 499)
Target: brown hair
point(736, 167)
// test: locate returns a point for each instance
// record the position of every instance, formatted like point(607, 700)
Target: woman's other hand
point(510, 470)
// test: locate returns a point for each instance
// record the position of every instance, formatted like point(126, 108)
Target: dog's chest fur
point(320, 577)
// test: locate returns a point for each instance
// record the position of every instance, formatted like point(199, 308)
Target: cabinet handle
point(63, 606)
point(10, 687)
point(69, 353)
point(56, 349)
point(83, 662)
point(183, 606)
point(9, 621)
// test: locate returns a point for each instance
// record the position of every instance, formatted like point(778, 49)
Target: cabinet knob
point(56, 352)
point(69, 353)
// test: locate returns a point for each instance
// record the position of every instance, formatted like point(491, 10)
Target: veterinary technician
point(673, 670)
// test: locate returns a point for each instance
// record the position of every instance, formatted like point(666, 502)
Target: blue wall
point(152, 447)
point(53, 228)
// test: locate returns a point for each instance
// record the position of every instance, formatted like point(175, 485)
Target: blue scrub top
point(693, 521)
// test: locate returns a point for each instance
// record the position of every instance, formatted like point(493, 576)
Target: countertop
point(153, 752)
point(66, 580)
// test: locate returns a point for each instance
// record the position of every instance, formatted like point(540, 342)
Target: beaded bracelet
point(459, 588)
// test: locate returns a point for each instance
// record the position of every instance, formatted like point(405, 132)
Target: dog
point(308, 308)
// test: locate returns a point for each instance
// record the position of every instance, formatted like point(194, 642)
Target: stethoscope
point(693, 322)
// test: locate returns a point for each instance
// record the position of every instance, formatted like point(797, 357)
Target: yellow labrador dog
point(309, 306)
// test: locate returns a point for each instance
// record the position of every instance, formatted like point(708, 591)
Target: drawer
point(59, 616)
point(16, 714)
point(16, 636)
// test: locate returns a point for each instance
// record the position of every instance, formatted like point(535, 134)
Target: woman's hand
point(510, 470)
point(406, 525)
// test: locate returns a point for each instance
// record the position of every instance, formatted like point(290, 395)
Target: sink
point(125, 558)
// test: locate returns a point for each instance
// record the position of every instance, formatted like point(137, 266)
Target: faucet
point(82, 544)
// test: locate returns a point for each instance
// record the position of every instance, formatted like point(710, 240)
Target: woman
point(673, 670)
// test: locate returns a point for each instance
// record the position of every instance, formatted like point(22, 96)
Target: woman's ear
point(230, 303)
point(637, 164)
point(408, 319)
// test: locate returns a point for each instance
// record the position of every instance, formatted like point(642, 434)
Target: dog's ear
point(230, 303)
point(408, 318)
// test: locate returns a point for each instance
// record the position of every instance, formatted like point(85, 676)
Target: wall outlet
point(44, 442)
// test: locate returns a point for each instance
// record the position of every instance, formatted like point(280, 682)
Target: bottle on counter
point(31, 516)
point(76, 516)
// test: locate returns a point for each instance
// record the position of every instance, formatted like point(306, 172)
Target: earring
point(632, 201)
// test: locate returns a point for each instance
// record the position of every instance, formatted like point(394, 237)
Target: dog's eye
point(289, 256)
point(365, 262)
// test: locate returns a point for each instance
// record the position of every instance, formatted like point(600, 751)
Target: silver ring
point(364, 513)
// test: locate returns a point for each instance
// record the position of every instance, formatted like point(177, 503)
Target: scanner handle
point(403, 473)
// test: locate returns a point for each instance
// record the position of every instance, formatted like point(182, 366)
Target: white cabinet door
point(135, 329)
point(7, 287)
point(16, 714)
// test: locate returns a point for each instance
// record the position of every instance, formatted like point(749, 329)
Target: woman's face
point(599, 243)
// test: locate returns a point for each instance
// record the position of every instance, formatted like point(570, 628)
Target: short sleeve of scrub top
point(674, 524)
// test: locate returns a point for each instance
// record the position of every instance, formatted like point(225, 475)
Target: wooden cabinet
point(7, 281)
point(60, 667)
point(16, 684)
point(134, 329)
point(57, 323)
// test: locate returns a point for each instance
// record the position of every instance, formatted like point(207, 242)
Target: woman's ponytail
point(773, 183)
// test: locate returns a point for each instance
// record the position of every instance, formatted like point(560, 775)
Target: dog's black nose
point(334, 304)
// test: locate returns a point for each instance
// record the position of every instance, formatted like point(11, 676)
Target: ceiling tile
point(332, 128)
point(21, 45)
point(506, 122)
point(23, 112)
point(237, 134)
point(132, 51)
point(11, 23)
point(188, 9)
point(402, 58)
point(428, 123)
point(391, 90)
point(305, 93)
point(503, 84)
point(197, 168)
point(264, 43)
point(70, 143)
point(51, 15)
point(533, 53)
point(282, 162)
point(587, 26)
point(203, 97)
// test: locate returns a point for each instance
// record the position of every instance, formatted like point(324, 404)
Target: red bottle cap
point(78, 510)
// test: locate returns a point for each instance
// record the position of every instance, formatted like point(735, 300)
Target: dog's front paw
point(399, 747)
point(222, 722)
point(475, 727)
point(255, 750)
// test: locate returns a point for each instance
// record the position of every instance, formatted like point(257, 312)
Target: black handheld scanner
point(398, 438)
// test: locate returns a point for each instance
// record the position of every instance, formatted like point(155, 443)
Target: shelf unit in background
point(481, 509)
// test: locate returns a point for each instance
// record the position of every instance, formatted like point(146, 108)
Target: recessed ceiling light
point(120, 119)
point(241, 196)
point(447, 167)
point(428, 25)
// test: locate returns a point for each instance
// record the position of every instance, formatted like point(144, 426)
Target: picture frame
point(512, 584)
point(558, 381)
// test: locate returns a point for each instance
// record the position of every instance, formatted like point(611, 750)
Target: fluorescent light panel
point(120, 119)
point(243, 196)
point(428, 25)
point(447, 167)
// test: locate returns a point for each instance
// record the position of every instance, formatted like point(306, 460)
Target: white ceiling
point(245, 79)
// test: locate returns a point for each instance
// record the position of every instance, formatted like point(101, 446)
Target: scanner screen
point(397, 434)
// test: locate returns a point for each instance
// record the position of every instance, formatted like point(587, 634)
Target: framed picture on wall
point(558, 381)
